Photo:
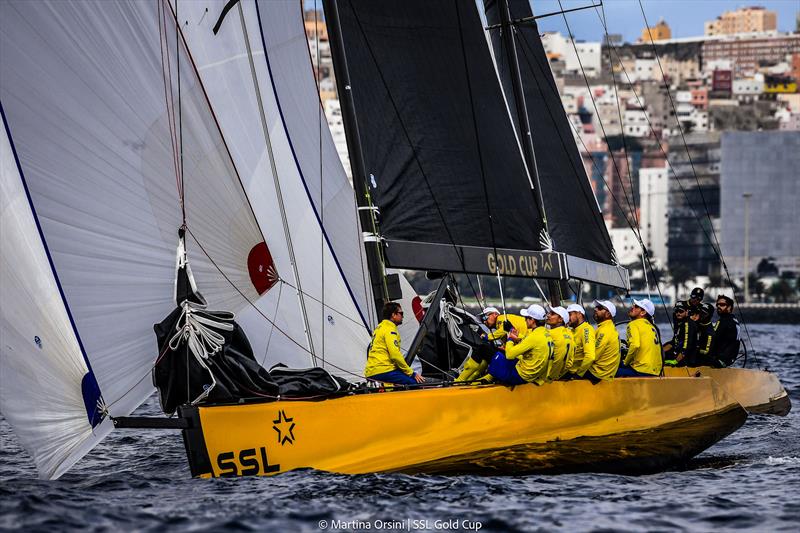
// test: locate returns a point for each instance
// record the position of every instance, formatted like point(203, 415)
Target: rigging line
point(277, 184)
point(242, 294)
point(577, 135)
point(180, 113)
point(480, 152)
point(635, 213)
point(680, 130)
point(321, 183)
point(317, 300)
point(410, 143)
point(594, 104)
point(576, 172)
point(637, 231)
point(274, 318)
point(718, 249)
point(167, 77)
point(675, 175)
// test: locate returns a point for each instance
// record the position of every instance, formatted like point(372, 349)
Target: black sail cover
point(441, 158)
point(574, 220)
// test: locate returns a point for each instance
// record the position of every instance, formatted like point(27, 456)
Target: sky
point(684, 17)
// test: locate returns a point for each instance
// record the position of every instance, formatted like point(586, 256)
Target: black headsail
point(575, 222)
point(440, 156)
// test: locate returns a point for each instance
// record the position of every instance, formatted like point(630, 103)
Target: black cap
point(698, 293)
point(681, 306)
point(707, 310)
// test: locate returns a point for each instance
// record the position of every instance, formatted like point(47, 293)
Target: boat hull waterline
point(758, 391)
point(635, 425)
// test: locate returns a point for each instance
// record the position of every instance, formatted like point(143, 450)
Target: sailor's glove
point(507, 325)
point(671, 362)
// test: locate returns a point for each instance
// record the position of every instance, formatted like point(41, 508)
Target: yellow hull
point(627, 425)
point(758, 391)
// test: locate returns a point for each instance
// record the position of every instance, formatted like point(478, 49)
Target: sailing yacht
point(126, 124)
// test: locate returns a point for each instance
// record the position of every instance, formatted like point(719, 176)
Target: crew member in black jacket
point(682, 349)
point(725, 344)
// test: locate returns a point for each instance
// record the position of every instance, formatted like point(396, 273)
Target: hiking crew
point(644, 350)
point(526, 359)
point(385, 361)
point(584, 336)
point(564, 343)
point(725, 343)
point(681, 350)
point(499, 326)
point(607, 356)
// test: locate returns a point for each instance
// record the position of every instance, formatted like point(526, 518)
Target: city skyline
point(685, 17)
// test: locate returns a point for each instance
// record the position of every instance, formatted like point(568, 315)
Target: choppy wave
point(140, 480)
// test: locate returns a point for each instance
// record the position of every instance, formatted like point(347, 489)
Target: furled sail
point(286, 155)
point(575, 222)
point(441, 159)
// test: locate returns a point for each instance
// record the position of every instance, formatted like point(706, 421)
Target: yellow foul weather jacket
point(384, 351)
point(606, 349)
point(563, 353)
point(517, 321)
point(644, 351)
point(533, 354)
point(584, 349)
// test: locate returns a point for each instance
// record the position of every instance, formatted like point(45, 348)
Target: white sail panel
point(89, 91)
point(338, 334)
point(41, 363)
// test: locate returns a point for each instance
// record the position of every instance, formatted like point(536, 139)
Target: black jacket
point(725, 344)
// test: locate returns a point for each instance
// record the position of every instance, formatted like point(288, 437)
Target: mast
point(367, 212)
point(507, 30)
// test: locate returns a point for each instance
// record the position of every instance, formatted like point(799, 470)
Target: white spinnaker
point(82, 87)
point(291, 107)
point(41, 364)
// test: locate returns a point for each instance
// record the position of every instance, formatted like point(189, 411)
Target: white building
point(747, 90)
point(560, 47)
point(333, 112)
point(644, 69)
point(653, 194)
point(635, 121)
point(625, 245)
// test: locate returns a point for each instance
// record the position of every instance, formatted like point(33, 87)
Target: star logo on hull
point(284, 427)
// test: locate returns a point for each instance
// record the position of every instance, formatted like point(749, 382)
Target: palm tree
point(679, 274)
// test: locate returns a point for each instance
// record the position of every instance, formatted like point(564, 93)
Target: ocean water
point(139, 480)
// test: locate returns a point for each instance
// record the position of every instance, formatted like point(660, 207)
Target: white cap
point(535, 312)
point(608, 306)
point(647, 305)
point(560, 311)
point(577, 308)
point(490, 310)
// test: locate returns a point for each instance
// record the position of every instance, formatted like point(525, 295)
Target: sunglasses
point(401, 313)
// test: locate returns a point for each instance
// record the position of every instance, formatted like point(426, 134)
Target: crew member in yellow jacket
point(583, 356)
point(563, 341)
point(606, 348)
point(499, 327)
point(385, 361)
point(526, 360)
point(644, 346)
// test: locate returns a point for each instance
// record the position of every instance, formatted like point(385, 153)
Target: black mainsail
point(575, 222)
point(440, 156)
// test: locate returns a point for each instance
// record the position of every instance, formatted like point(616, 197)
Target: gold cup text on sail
point(522, 264)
